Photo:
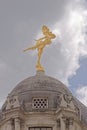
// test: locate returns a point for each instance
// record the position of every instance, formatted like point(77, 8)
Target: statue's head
point(47, 32)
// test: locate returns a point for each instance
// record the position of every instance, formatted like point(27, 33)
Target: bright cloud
point(71, 35)
point(82, 94)
point(70, 41)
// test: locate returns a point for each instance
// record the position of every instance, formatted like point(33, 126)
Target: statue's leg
point(31, 48)
point(39, 56)
point(39, 66)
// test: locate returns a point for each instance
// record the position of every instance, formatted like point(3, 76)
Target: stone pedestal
point(17, 124)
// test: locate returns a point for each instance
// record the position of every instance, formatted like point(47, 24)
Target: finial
point(40, 45)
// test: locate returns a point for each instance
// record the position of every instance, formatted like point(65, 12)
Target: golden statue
point(41, 43)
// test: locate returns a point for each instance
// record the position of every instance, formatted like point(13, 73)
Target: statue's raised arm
point(41, 43)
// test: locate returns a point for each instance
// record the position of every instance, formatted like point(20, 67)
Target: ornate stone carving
point(12, 102)
point(67, 98)
point(78, 112)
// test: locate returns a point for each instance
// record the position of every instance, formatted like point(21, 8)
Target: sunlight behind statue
point(41, 43)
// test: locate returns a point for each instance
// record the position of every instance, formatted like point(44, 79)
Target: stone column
point(58, 125)
point(17, 124)
point(9, 125)
point(71, 125)
point(63, 124)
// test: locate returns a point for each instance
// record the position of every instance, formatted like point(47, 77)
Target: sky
point(65, 59)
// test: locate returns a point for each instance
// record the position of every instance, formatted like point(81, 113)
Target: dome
point(39, 87)
point(44, 93)
point(40, 82)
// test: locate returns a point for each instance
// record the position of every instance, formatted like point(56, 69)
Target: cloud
point(71, 40)
point(70, 43)
point(82, 94)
